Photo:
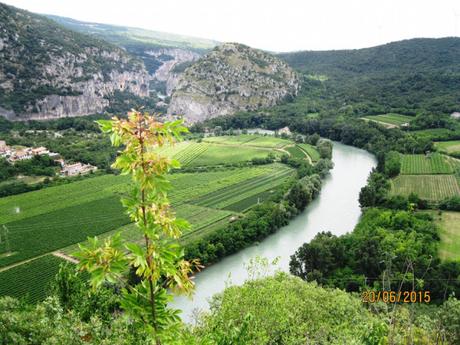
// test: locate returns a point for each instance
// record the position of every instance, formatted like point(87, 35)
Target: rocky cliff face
point(48, 71)
point(169, 70)
point(230, 78)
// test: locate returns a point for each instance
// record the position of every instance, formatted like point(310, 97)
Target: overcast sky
point(283, 25)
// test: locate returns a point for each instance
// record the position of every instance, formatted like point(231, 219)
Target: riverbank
point(336, 209)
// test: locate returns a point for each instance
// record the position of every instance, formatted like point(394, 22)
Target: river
point(336, 209)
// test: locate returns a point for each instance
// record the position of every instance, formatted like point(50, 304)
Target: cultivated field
point(30, 280)
point(428, 187)
point(250, 140)
point(434, 163)
point(448, 147)
point(311, 151)
point(56, 219)
point(449, 223)
point(390, 119)
point(296, 152)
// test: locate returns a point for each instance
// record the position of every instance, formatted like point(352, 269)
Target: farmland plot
point(425, 164)
point(311, 151)
point(31, 279)
point(50, 231)
point(296, 152)
point(448, 146)
point(428, 187)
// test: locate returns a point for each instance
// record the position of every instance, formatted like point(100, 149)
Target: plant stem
point(147, 240)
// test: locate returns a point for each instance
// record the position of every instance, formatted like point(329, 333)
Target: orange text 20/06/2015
point(389, 296)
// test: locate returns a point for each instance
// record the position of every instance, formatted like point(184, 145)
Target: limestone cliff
point(48, 71)
point(230, 78)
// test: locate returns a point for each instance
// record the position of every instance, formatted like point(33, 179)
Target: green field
point(30, 280)
point(311, 151)
point(58, 218)
point(29, 237)
point(391, 119)
point(250, 140)
point(434, 163)
point(437, 134)
point(428, 187)
point(448, 147)
point(296, 152)
point(449, 223)
point(224, 150)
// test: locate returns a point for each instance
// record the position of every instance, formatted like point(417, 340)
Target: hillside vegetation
point(48, 71)
point(405, 76)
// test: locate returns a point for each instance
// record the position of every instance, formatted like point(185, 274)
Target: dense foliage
point(404, 77)
point(387, 250)
point(159, 262)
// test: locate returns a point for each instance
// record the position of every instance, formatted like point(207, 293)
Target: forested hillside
point(405, 76)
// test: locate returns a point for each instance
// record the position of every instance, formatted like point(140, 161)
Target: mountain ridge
point(49, 71)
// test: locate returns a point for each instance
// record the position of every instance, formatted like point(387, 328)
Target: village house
point(40, 151)
point(77, 169)
point(455, 115)
point(284, 130)
point(20, 155)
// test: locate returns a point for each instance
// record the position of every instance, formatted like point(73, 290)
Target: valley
point(159, 188)
point(234, 174)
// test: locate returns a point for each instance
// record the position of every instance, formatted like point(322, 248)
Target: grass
point(448, 146)
point(222, 154)
point(224, 149)
point(30, 280)
point(449, 223)
point(30, 204)
point(391, 119)
point(296, 152)
point(250, 140)
point(58, 218)
point(434, 163)
point(437, 133)
point(226, 197)
point(30, 237)
point(428, 187)
point(311, 151)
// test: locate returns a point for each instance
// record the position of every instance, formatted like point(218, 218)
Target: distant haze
point(276, 25)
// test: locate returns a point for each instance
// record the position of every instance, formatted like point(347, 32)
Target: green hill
point(405, 76)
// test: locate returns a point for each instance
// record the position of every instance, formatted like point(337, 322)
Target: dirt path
point(58, 254)
point(66, 257)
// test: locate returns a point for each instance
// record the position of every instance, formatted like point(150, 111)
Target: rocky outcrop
point(230, 78)
point(167, 72)
point(49, 72)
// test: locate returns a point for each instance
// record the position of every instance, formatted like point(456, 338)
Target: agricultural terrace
point(391, 119)
point(449, 223)
point(448, 147)
point(311, 151)
point(429, 187)
point(234, 149)
point(433, 163)
point(30, 280)
point(209, 200)
point(250, 140)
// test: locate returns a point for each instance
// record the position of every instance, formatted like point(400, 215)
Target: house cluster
point(13, 155)
point(76, 168)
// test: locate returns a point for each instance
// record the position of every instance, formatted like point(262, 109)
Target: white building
point(77, 169)
point(284, 130)
point(455, 115)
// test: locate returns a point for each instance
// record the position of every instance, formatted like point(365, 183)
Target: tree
point(392, 164)
point(159, 262)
